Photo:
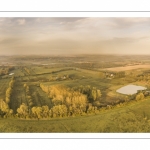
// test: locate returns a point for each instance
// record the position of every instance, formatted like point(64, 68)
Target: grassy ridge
point(133, 117)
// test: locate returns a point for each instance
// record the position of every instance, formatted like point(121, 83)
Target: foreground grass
point(133, 117)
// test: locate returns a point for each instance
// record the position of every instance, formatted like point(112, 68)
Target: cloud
point(126, 22)
point(76, 34)
point(21, 21)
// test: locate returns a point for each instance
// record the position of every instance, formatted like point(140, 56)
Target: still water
point(130, 89)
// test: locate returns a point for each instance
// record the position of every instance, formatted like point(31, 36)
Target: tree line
point(9, 90)
point(5, 111)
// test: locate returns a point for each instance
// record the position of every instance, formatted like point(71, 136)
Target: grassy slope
point(41, 97)
point(4, 83)
point(18, 96)
point(129, 118)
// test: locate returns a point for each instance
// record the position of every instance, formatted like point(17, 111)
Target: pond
point(130, 89)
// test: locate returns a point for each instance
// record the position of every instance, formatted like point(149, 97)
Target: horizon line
point(73, 54)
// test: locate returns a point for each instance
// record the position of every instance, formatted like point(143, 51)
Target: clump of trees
point(76, 101)
point(93, 94)
point(59, 111)
point(66, 99)
point(5, 111)
point(92, 109)
point(23, 111)
point(139, 96)
point(5, 70)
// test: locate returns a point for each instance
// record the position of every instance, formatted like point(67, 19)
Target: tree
point(58, 99)
point(62, 110)
point(37, 112)
point(25, 85)
point(4, 106)
point(30, 104)
point(33, 110)
point(126, 99)
point(7, 99)
point(94, 93)
point(23, 110)
point(59, 111)
point(139, 96)
point(99, 94)
point(45, 111)
point(9, 113)
point(8, 91)
point(11, 83)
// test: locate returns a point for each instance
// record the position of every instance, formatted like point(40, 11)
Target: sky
point(57, 36)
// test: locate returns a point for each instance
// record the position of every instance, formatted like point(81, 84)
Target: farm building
point(11, 74)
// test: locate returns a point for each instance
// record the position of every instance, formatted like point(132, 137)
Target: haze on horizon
point(26, 36)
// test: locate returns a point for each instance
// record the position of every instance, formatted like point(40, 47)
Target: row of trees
point(120, 74)
point(5, 111)
point(28, 96)
point(143, 77)
point(41, 112)
point(27, 70)
point(9, 90)
point(56, 111)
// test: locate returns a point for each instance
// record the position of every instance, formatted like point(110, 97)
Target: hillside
point(132, 118)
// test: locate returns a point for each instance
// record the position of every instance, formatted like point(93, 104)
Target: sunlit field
point(73, 97)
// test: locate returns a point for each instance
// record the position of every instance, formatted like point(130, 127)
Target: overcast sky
point(74, 36)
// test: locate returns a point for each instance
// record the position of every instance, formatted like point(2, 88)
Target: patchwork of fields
point(49, 98)
point(127, 68)
point(68, 77)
